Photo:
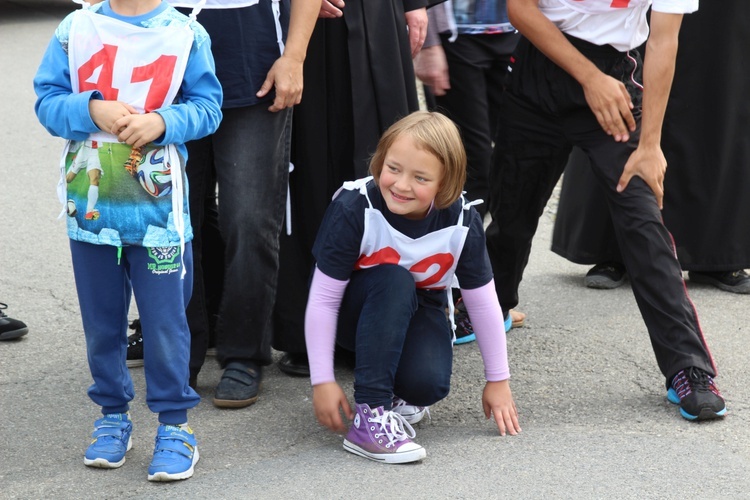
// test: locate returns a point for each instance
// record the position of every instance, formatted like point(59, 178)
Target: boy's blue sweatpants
point(104, 289)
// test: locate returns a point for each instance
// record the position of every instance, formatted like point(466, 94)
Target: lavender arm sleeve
point(487, 320)
point(321, 317)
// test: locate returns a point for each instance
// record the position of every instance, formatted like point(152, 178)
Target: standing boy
point(136, 78)
point(576, 80)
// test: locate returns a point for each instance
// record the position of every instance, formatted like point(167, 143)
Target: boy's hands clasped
point(124, 121)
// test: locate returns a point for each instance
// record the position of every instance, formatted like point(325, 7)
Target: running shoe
point(696, 393)
point(175, 454)
point(111, 441)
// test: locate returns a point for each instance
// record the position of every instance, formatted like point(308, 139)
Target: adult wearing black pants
point(575, 79)
point(705, 143)
point(261, 76)
point(465, 65)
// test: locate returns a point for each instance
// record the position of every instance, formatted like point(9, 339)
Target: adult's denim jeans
point(250, 153)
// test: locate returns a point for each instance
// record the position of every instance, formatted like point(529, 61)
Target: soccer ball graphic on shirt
point(154, 175)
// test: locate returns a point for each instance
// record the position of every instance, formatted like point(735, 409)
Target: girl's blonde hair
point(439, 136)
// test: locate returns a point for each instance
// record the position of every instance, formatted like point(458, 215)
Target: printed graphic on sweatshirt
point(118, 195)
point(477, 17)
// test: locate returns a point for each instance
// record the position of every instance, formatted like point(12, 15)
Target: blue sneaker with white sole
point(111, 441)
point(175, 454)
point(696, 393)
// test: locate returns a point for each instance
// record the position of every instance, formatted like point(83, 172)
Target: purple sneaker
point(383, 436)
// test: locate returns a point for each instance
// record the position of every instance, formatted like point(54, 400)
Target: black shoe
point(239, 385)
point(135, 345)
point(11, 328)
point(295, 364)
point(605, 276)
point(696, 393)
point(730, 281)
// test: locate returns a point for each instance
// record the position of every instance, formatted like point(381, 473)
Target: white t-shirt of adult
point(619, 23)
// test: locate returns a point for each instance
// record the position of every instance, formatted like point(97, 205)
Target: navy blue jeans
point(401, 338)
point(250, 152)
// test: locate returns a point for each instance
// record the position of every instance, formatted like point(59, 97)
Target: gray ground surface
point(595, 420)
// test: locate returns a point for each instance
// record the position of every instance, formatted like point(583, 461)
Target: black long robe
point(359, 79)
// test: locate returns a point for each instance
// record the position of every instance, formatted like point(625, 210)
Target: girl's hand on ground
point(328, 400)
point(497, 400)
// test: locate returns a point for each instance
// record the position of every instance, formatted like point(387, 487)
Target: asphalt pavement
point(596, 423)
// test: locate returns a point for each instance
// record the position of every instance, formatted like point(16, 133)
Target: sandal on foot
point(518, 318)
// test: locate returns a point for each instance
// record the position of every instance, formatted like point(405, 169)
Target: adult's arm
point(286, 72)
point(606, 96)
point(430, 64)
point(648, 161)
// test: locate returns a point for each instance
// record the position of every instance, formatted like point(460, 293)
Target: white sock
point(93, 198)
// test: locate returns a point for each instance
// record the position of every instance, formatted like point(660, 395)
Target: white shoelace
point(393, 426)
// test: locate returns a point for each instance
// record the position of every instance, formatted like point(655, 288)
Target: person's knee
point(394, 282)
point(424, 392)
point(423, 386)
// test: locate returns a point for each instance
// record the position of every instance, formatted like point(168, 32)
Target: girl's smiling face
point(410, 178)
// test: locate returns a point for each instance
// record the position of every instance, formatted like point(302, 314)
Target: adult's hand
point(610, 102)
point(286, 76)
point(416, 21)
point(648, 163)
point(331, 9)
point(431, 68)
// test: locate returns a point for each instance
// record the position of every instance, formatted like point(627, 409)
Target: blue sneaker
point(696, 393)
point(111, 441)
point(175, 454)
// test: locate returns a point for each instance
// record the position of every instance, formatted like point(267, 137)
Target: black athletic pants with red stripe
point(543, 114)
